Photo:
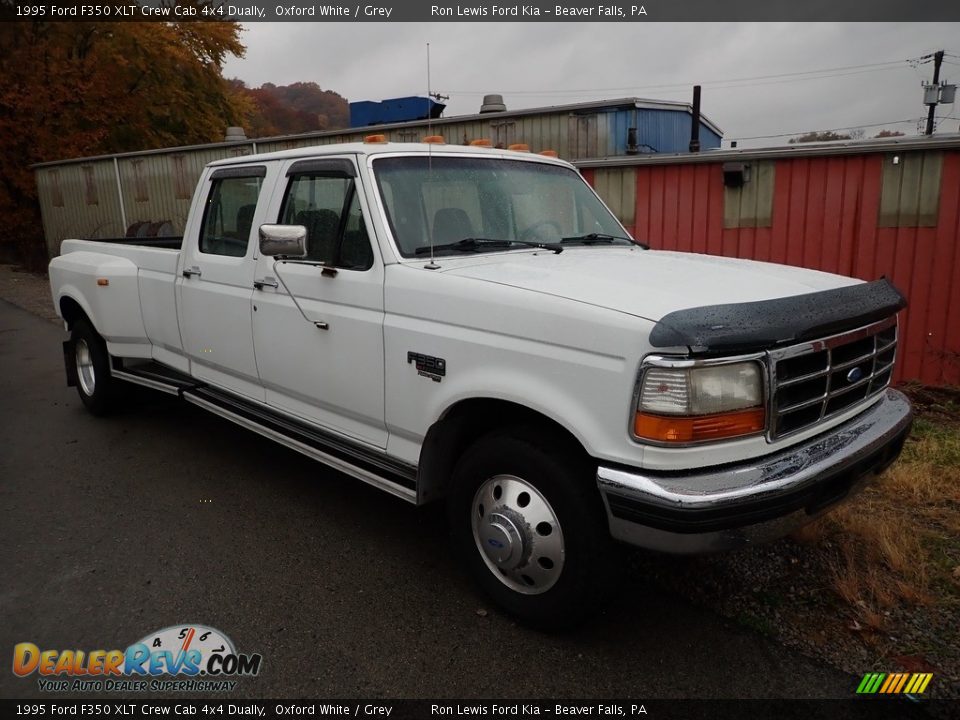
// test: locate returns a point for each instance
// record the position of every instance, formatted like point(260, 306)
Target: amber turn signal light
point(375, 139)
point(666, 428)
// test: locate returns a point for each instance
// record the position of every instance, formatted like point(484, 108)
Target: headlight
point(694, 404)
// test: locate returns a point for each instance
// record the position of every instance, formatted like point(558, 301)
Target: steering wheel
point(539, 232)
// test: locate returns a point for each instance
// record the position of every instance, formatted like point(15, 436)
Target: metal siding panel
point(866, 240)
point(709, 140)
point(657, 236)
point(628, 196)
point(601, 183)
point(669, 128)
point(715, 232)
point(641, 222)
point(593, 134)
point(832, 215)
point(765, 179)
point(850, 213)
point(909, 197)
point(816, 202)
point(941, 362)
point(619, 121)
point(911, 189)
point(782, 219)
point(731, 207)
point(929, 192)
point(671, 207)
point(685, 200)
point(617, 188)
point(573, 128)
point(914, 253)
point(798, 209)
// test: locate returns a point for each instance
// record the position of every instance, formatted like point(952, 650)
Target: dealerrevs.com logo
point(178, 658)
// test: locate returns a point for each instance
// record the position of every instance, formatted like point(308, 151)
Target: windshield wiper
point(478, 244)
point(597, 238)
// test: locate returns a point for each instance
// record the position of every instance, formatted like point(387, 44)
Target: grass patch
point(899, 541)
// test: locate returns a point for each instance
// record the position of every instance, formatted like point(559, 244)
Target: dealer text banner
point(482, 11)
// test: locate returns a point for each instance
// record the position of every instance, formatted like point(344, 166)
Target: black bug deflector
point(770, 323)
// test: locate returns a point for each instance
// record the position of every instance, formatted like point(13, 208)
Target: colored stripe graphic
point(894, 683)
point(914, 682)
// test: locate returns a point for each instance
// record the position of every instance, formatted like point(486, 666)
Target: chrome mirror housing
point(283, 240)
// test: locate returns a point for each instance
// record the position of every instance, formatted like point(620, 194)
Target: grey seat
point(245, 221)
point(451, 225)
point(322, 227)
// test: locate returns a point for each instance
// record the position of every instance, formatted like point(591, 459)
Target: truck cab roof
point(385, 148)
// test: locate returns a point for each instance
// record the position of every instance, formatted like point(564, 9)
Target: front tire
point(528, 523)
point(94, 381)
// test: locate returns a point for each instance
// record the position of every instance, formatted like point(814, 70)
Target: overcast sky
point(538, 64)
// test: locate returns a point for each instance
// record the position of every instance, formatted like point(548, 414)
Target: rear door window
point(228, 215)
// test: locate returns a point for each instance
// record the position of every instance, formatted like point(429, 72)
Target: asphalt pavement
point(163, 514)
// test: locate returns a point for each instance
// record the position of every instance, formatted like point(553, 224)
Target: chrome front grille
point(816, 380)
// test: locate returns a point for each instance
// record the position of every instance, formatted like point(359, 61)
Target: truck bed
point(136, 312)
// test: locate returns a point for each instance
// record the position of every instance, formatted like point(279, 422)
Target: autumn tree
point(888, 133)
point(74, 89)
point(296, 108)
point(818, 136)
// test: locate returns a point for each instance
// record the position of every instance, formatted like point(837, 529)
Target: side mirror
point(285, 240)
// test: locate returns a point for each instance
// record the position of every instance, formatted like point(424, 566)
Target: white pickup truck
point(474, 324)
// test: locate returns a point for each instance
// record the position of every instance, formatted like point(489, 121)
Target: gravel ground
point(780, 590)
point(28, 291)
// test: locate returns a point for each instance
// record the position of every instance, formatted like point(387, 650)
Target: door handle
point(195, 270)
point(265, 282)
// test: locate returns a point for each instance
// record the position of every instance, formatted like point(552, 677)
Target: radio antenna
point(430, 265)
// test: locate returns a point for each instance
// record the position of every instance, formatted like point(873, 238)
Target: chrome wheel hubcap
point(85, 372)
point(518, 534)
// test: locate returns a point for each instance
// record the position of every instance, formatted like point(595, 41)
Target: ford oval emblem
point(854, 375)
point(494, 542)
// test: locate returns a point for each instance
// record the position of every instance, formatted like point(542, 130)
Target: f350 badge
point(428, 366)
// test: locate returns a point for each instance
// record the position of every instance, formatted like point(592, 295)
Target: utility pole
point(932, 107)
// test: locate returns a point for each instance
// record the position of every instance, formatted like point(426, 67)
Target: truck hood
point(645, 283)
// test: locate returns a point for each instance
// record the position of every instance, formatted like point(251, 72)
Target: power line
point(822, 73)
point(808, 132)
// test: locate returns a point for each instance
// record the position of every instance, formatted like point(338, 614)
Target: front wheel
point(528, 523)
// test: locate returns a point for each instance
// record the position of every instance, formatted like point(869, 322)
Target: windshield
point(450, 199)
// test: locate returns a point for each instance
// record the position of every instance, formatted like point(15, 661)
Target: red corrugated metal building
point(864, 209)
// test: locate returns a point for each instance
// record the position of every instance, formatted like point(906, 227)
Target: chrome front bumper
point(720, 508)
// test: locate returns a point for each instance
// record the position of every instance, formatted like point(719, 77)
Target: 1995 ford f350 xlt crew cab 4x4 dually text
point(474, 324)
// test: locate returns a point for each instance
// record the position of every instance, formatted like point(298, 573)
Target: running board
point(153, 375)
point(398, 479)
